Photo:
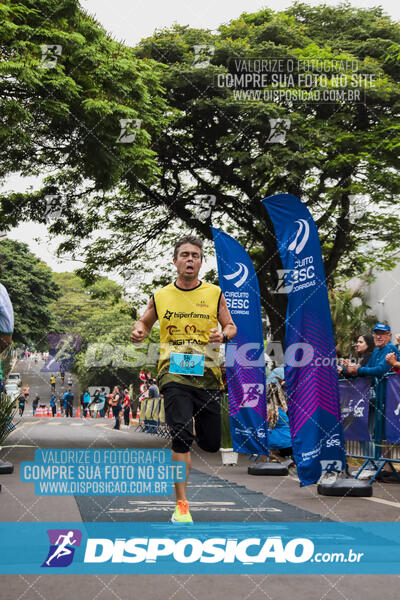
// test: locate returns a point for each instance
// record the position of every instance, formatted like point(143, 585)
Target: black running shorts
point(182, 403)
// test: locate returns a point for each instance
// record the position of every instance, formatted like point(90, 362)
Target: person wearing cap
point(377, 365)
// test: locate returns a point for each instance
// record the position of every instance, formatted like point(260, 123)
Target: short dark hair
point(189, 239)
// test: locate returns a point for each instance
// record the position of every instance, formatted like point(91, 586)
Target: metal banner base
point(6, 467)
point(268, 468)
point(346, 487)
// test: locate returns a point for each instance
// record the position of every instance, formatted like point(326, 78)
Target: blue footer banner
point(209, 548)
point(310, 357)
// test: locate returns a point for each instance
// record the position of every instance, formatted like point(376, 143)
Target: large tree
point(32, 290)
point(340, 157)
point(75, 105)
point(102, 318)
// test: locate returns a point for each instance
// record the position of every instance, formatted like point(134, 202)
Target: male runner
point(188, 373)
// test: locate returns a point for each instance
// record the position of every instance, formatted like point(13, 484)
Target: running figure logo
point(252, 394)
point(62, 547)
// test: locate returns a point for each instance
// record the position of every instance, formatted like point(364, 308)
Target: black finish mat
point(210, 499)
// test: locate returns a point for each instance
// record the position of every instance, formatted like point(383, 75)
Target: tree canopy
point(70, 97)
point(216, 147)
point(32, 290)
point(102, 319)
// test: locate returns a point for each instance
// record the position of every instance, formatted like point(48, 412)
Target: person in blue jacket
point(377, 365)
point(279, 438)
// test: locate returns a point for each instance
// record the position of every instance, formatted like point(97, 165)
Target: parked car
point(14, 378)
point(12, 390)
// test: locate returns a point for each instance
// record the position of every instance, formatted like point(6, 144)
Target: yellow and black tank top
point(186, 317)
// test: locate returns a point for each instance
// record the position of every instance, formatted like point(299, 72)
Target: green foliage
point(350, 317)
point(103, 318)
point(63, 120)
point(7, 412)
point(341, 158)
point(31, 289)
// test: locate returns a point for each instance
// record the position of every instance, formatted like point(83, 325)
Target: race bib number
point(187, 364)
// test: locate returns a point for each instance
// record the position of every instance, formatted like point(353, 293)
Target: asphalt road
point(18, 502)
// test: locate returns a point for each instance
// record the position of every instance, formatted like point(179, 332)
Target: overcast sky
point(131, 20)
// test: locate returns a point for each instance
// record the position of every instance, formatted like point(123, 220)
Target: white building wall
point(383, 296)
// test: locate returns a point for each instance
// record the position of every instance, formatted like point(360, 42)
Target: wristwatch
point(225, 338)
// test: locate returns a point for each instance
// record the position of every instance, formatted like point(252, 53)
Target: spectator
point(279, 439)
point(107, 404)
point(101, 402)
point(94, 404)
point(35, 404)
point(364, 346)
point(53, 400)
point(134, 402)
point(86, 402)
point(153, 391)
point(393, 361)
point(126, 406)
point(61, 402)
point(277, 375)
point(116, 399)
point(377, 365)
point(69, 402)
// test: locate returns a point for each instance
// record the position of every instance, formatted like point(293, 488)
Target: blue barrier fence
point(371, 421)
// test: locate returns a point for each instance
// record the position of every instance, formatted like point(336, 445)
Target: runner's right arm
point(142, 328)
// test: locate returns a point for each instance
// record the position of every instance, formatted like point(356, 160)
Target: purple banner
point(244, 356)
point(354, 400)
point(393, 409)
point(310, 356)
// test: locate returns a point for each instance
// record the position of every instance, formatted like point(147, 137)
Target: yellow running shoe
point(181, 513)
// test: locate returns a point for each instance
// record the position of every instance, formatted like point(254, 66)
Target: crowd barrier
point(371, 420)
point(152, 417)
point(370, 413)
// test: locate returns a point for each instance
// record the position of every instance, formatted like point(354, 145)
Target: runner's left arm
point(228, 326)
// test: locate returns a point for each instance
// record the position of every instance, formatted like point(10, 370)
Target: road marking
point(172, 503)
point(383, 501)
point(76, 424)
point(209, 508)
point(56, 423)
